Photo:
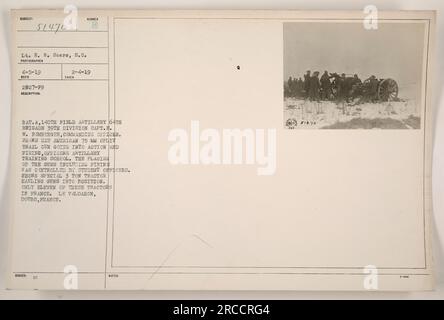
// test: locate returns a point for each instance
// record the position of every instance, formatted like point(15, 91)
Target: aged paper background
point(221, 115)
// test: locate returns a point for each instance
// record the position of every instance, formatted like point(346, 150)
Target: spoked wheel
point(388, 90)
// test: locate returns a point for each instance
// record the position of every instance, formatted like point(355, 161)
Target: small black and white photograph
point(342, 75)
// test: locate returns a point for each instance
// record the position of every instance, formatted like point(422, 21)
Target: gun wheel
point(388, 90)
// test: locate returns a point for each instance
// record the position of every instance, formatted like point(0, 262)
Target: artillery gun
point(372, 89)
point(387, 89)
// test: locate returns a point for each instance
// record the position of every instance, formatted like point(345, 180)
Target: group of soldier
point(330, 87)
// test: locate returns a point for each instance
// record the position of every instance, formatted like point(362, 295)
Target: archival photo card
point(162, 150)
point(342, 75)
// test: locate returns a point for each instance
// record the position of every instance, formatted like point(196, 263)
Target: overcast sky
point(394, 50)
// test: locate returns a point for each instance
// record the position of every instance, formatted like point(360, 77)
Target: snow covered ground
point(330, 115)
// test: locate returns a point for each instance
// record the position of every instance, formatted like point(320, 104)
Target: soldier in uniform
point(290, 86)
point(325, 86)
point(356, 80)
point(314, 87)
point(287, 87)
point(300, 87)
point(342, 88)
point(294, 88)
point(356, 86)
point(307, 78)
point(373, 88)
